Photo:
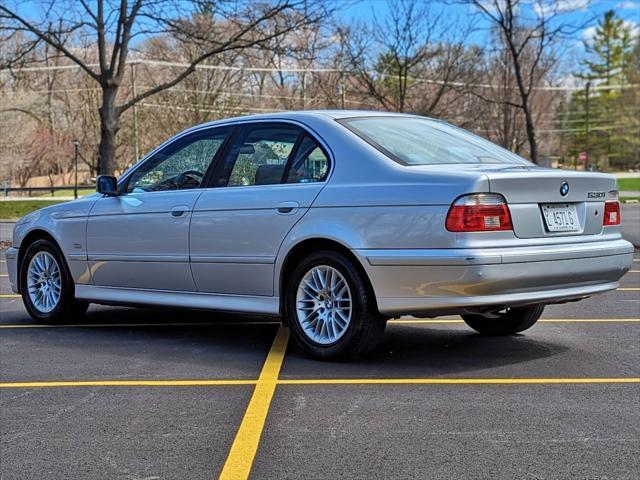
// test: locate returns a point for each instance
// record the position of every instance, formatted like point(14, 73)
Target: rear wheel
point(507, 322)
point(46, 285)
point(330, 308)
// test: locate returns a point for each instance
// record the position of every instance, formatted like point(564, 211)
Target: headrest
point(269, 174)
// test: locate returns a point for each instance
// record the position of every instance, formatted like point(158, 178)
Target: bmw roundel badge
point(564, 189)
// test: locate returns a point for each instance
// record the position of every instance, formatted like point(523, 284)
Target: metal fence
point(43, 191)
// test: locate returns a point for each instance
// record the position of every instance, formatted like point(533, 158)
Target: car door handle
point(287, 208)
point(179, 210)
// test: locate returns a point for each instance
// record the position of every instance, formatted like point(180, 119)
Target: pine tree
point(613, 107)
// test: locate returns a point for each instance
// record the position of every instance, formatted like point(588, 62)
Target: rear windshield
point(421, 141)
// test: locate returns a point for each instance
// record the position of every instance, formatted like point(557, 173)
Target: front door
point(140, 239)
point(268, 180)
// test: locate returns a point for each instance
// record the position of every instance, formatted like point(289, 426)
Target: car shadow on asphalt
point(423, 351)
point(406, 351)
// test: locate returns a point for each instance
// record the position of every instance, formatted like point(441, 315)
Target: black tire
point(366, 326)
point(514, 320)
point(68, 309)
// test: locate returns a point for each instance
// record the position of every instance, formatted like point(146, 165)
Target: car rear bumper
point(12, 268)
point(420, 281)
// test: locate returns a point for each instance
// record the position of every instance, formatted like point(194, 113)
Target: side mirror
point(107, 185)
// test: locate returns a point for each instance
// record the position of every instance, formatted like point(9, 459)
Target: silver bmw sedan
point(334, 221)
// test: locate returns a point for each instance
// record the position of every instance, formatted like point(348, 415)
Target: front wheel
point(330, 308)
point(507, 322)
point(46, 285)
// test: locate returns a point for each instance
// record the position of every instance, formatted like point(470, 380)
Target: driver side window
point(179, 166)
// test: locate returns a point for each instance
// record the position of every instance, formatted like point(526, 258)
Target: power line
point(319, 70)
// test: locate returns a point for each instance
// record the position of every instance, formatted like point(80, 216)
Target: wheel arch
point(302, 249)
point(33, 236)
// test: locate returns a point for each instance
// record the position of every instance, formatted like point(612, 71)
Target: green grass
point(14, 209)
point(626, 184)
point(63, 193)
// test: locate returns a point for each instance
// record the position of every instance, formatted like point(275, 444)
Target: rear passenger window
point(260, 157)
point(310, 163)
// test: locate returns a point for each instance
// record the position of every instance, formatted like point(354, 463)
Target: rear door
point(140, 239)
point(269, 178)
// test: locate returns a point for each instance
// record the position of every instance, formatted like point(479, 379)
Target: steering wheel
point(182, 178)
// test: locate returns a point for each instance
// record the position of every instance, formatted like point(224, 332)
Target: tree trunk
point(109, 126)
point(531, 135)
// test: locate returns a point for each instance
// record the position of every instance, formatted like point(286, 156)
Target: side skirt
point(160, 298)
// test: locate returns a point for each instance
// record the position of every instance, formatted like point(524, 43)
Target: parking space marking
point(544, 320)
point(243, 450)
point(629, 289)
point(252, 432)
point(453, 381)
point(127, 383)
point(9, 295)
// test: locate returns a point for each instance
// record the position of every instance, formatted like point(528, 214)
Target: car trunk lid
point(536, 196)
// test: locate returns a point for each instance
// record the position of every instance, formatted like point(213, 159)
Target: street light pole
point(586, 120)
point(76, 143)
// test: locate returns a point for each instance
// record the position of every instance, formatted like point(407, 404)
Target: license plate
point(560, 217)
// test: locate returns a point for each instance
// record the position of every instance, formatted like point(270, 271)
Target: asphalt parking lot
point(156, 394)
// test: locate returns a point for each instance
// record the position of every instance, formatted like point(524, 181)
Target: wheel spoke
point(323, 304)
point(44, 282)
point(311, 286)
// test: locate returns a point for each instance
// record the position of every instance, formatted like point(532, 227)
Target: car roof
point(301, 115)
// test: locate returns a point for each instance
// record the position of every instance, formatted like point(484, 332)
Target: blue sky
point(577, 10)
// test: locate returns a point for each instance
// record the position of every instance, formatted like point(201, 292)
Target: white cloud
point(589, 32)
point(560, 6)
point(633, 26)
point(628, 5)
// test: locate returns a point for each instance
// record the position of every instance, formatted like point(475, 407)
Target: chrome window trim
point(124, 178)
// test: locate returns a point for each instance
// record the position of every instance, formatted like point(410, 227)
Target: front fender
point(66, 223)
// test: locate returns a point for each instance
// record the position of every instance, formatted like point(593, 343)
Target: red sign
point(583, 157)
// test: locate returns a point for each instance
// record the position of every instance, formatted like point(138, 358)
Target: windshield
point(421, 141)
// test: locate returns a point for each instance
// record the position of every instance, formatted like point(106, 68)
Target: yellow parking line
point(253, 422)
point(453, 381)
point(128, 383)
point(9, 295)
point(408, 322)
point(590, 320)
point(245, 445)
point(545, 320)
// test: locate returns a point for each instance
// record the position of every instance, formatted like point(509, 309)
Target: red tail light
point(611, 209)
point(479, 212)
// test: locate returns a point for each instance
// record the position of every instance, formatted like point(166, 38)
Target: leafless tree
point(113, 28)
point(391, 58)
point(528, 31)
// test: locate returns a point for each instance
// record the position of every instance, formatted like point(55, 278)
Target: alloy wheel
point(324, 304)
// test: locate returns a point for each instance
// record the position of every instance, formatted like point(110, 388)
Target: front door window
point(179, 166)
